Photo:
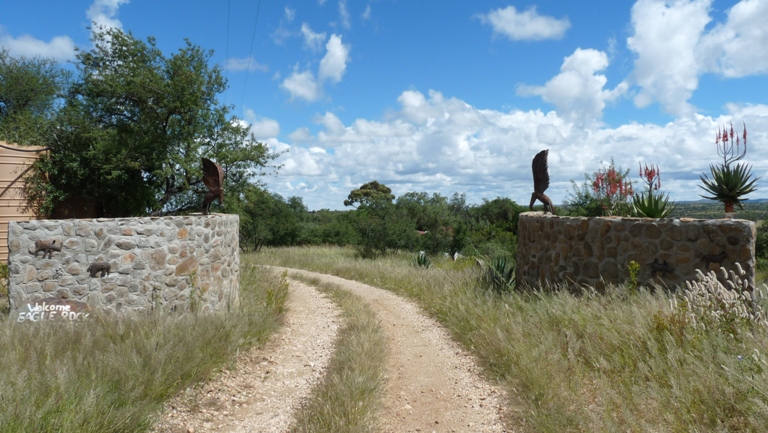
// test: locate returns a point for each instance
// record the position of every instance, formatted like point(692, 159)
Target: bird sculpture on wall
point(541, 182)
point(213, 178)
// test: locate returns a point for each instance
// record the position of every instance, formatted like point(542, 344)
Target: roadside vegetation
point(112, 374)
point(627, 360)
point(349, 397)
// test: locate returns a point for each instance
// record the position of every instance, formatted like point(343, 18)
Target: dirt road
point(432, 383)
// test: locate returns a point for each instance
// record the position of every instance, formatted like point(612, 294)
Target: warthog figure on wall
point(47, 247)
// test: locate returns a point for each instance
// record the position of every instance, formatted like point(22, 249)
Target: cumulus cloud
point(262, 127)
point(249, 63)
point(302, 85)
point(665, 40)
point(578, 91)
point(59, 48)
point(103, 12)
point(305, 86)
point(739, 46)
point(334, 64)
point(526, 25)
point(313, 41)
point(442, 144)
point(675, 44)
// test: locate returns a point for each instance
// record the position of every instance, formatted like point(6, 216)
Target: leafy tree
point(265, 219)
point(433, 217)
point(134, 126)
point(30, 90)
point(381, 226)
point(369, 193)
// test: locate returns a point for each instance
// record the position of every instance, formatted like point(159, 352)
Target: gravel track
point(433, 385)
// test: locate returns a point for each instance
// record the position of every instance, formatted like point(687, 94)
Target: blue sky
point(457, 96)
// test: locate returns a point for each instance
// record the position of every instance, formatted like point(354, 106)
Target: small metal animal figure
point(213, 178)
point(47, 247)
point(714, 258)
point(97, 267)
point(664, 268)
point(541, 182)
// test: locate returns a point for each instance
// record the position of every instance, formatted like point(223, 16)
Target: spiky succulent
point(728, 184)
point(652, 205)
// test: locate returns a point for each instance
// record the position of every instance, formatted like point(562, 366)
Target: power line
point(226, 51)
point(250, 53)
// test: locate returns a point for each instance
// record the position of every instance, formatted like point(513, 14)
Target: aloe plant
point(652, 204)
point(729, 184)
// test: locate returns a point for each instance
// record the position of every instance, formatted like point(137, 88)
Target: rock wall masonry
point(176, 263)
point(596, 251)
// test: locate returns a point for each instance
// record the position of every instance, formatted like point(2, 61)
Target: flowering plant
point(649, 203)
point(729, 184)
point(613, 189)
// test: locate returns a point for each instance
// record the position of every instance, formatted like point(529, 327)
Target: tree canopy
point(133, 127)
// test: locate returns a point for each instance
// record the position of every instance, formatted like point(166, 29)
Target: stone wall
point(176, 263)
point(595, 251)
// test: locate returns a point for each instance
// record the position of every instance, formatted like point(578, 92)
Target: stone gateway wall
point(176, 263)
point(595, 251)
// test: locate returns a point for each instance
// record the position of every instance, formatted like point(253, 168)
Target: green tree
point(30, 92)
point(369, 193)
point(134, 126)
point(433, 217)
point(265, 220)
point(381, 226)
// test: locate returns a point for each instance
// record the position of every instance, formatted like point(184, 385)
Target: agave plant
point(422, 260)
point(499, 275)
point(729, 184)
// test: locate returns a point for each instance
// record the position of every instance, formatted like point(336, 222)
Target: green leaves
point(728, 184)
point(652, 205)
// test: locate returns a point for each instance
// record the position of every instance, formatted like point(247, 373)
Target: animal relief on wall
point(47, 247)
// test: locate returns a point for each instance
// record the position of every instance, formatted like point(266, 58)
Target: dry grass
point(349, 398)
point(615, 362)
point(112, 375)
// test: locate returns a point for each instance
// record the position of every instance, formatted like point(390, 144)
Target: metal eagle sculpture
point(541, 182)
point(213, 178)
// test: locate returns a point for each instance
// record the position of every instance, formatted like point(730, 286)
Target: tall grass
point(349, 397)
point(595, 363)
point(112, 374)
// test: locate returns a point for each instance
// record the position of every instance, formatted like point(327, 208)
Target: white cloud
point(262, 127)
point(738, 47)
point(248, 63)
point(60, 48)
point(526, 25)
point(334, 63)
point(302, 85)
point(103, 12)
point(367, 13)
point(289, 14)
point(674, 47)
point(578, 90)
point(665, 40)
point(440, 144)
point(313, 41)
point(344, 14)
